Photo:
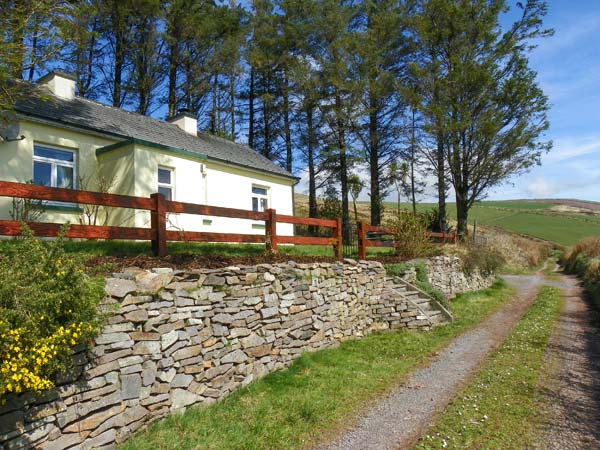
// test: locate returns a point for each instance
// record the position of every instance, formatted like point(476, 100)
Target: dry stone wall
point(175, 339)
point(446, 274)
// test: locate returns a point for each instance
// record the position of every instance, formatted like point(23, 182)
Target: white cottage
point(66, 138)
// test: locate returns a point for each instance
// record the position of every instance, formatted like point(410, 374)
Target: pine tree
point(29, 38)
point(384, 48)
point(82, 53)
point(488, 111)
point(145, 53)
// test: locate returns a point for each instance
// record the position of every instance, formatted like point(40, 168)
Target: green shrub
point(48, 304)
point(396, 270)
point(484, 259)
point(411, 237)
point(584, 260)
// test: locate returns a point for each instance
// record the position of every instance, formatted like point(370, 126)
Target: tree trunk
point(173, 58)
point(374, 164)
point(84, 80)
point(312, 183)
point(18, 39)
point(251, 110)
point(341, 132)
point(441, 185)
point(34, 49)
point(119, 62)
point(286, 124)
point(462, 214)
point(412, 165)
point(267, 127)
point(213, 112)
point(232, 102)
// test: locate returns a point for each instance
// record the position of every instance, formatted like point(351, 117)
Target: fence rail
point(159, 207)
point(374, 236)
point(159, 235)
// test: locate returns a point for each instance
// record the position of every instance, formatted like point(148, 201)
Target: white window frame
point(260, 197)
point(53, 170)
point(56, 162)
point(171, 185)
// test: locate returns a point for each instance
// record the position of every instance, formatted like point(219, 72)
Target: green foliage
point(47, 305)
point(396, 270)
point(484, 259)
point(584, 260)
point(410, 235)
point(479, 97)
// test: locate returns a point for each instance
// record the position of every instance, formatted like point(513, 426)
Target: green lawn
point(498, 408)
point(133, 248)
point(296, 407)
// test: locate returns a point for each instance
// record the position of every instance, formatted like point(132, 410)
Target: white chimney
point(186, 121)
point(60, 84)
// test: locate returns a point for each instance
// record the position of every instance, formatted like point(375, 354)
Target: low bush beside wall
point(584, 260)
point(48, 306)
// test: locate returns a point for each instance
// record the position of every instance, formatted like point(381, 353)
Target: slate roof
point(87, 114)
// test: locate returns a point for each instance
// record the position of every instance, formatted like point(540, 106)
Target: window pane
point(259, 190)
point(167, 192)
point(263, 204)
point(254, 204)
point(61, 155)
point(42, 173)
point(164, 176)
point(64, 177)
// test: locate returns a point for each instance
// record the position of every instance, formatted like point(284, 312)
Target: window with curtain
point(53, 167)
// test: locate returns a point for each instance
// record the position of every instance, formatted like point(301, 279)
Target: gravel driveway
point(572, 391)
point(398, 420)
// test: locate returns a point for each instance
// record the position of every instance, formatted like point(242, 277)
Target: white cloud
point(568, 148)
point(541, 188)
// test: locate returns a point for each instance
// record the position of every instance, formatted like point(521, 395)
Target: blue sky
point(568, 66)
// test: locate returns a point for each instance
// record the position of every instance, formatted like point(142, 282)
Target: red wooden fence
point(159, 208)
point(364, 241)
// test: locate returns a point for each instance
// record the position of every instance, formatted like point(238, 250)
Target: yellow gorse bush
point(48, 305)
point(23, 364)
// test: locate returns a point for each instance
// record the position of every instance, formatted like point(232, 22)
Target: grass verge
point(497, 409)
point(135, 248)
point(318, 393)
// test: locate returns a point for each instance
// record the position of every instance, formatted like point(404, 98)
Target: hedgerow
point(584, 260)
point(48, 305)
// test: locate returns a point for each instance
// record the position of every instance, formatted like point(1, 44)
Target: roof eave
point(136, 141)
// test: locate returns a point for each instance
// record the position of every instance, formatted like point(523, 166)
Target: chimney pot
point(60, 84)
point(186, 121)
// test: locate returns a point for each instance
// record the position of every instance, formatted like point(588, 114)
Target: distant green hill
point(562, 221)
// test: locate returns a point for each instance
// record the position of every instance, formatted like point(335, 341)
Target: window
point(53, 167)
point(166, 185)
point(260, 201)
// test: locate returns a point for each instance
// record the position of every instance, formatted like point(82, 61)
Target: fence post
point(158, 222)
point(271, 231)
point(362, 243)
point(338, 247)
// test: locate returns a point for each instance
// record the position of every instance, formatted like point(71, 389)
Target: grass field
point(535, 218)
point(316, 395)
